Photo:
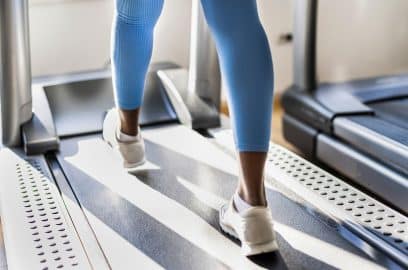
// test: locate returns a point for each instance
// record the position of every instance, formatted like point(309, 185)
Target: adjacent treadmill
point(67, 203)
point(359, 128)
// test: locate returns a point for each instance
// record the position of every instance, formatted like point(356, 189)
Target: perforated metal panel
point(381, 220)
point(373, 222)
point(48, 229)
point(37, 230)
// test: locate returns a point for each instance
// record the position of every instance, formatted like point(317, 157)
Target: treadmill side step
point(38, 233)
point(352, 211)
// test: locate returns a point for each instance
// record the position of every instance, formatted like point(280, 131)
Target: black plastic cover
point(79, 107)
point(39, 134)
point(300, 135)
point(301, 105)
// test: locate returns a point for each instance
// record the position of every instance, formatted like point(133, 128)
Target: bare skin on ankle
point(251, 186)
point(129, 121)
point(251, 181)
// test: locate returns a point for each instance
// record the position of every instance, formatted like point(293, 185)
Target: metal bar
point(305, 28)
point(204, 75)
point(15, 80)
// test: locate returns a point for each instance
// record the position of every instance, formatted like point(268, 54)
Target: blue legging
point(243, 49)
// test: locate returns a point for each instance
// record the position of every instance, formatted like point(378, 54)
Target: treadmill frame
point(195, 93)
point(315, 116)
point(58, 175)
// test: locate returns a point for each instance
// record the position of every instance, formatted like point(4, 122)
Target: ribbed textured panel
point(132, 48)
point(142, 12)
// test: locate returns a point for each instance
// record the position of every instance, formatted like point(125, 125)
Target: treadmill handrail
point(304, 48)
point(15, 75)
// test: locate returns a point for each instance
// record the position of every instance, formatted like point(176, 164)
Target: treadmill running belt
point(165, 215)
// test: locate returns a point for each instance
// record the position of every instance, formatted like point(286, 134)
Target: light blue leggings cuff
point(252, 148)
point(127, 106)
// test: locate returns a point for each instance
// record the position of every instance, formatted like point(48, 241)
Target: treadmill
point(358, 128)
point(67, 203)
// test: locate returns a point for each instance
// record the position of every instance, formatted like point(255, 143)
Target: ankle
point(128, 130)
point(129, 123)
point(253, 198)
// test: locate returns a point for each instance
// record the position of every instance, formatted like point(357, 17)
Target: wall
point(73, 35)
point(362, 38)
point(356, 38)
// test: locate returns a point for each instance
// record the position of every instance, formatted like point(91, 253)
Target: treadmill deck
point(165, 214)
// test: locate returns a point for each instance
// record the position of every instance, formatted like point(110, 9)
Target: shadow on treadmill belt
point(169, 248)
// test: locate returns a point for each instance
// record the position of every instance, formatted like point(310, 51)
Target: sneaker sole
point(130, 167)
point(260, 249)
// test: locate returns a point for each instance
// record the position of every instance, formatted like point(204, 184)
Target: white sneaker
point(132, 153)
point(253, 227)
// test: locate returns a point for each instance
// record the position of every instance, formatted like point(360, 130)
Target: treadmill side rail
point(38, 232)
point(360, 218)
point(373, 227)
point(390, 146)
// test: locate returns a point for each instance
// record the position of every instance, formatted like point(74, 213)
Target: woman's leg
point(132, 43)
point(246, 65)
